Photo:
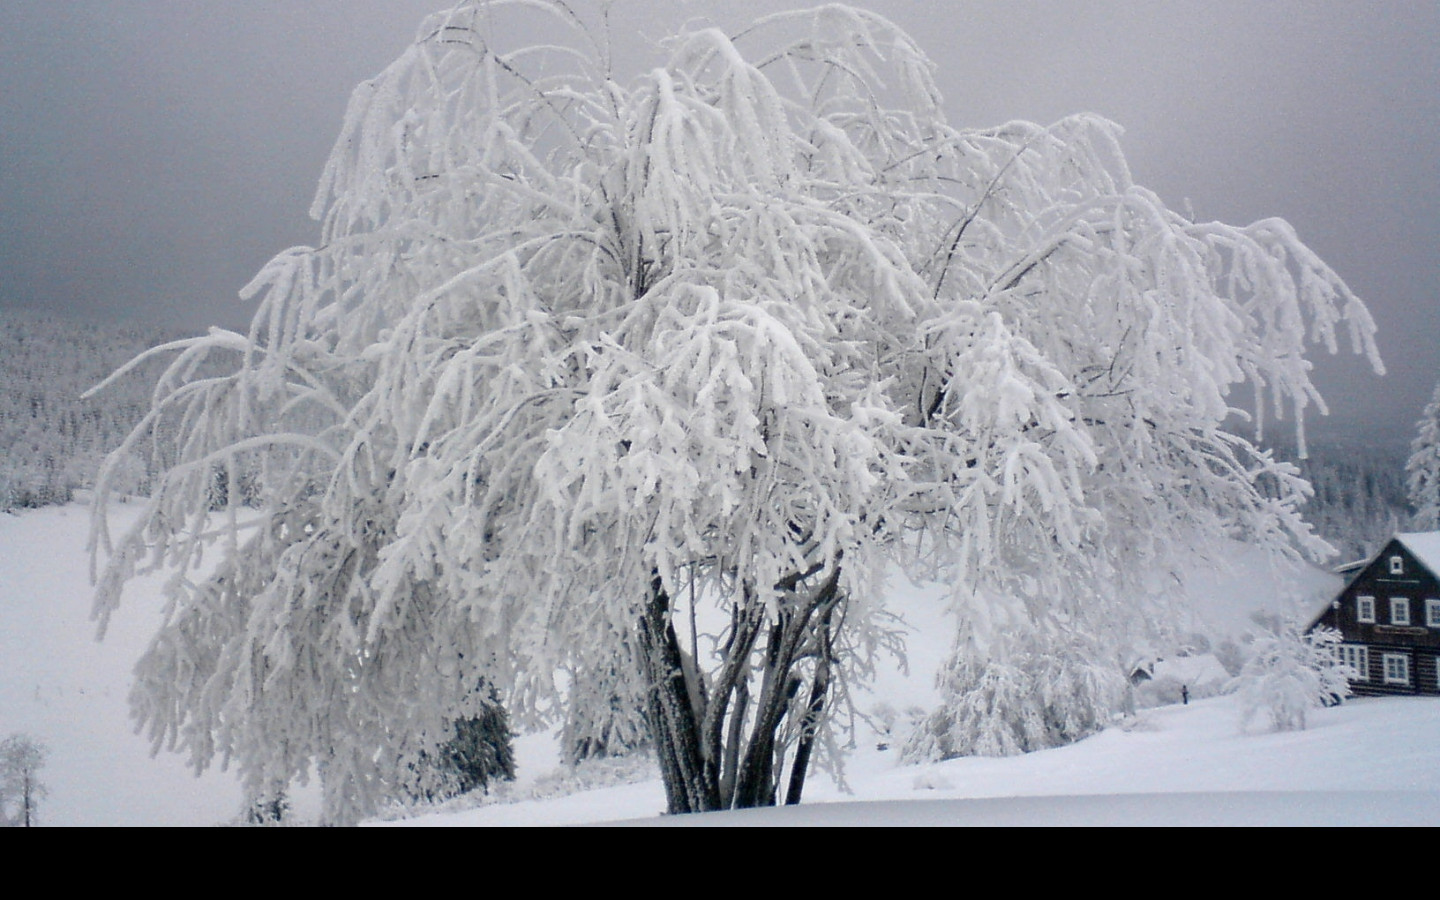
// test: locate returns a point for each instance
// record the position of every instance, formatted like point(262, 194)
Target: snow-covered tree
point(596, 390)
point(480, 751)
point(21, 759)
point(1422, 471)
point(1029, 694)
point(1070, 429)
point(1290, 672)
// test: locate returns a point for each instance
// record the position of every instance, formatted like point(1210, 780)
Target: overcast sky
point(154, 153)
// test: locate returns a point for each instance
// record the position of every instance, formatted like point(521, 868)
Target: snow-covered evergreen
point(1422, 471)
point(21, 790)
point(589, 382)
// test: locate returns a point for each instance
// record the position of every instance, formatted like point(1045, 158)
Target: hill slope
point(1173, 764)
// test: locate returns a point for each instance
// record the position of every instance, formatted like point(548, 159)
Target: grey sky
point(154, 153)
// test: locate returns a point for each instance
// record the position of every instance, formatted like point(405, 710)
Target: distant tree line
point(1360, 497)
point(52, 441)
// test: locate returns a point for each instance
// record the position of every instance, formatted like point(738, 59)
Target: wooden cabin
point(1388, 616)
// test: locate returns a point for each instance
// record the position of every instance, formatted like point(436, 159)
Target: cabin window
point(1357, 657)
point(1399, 611)
point(1397, 565)
point(1432, 612)
point(1397, 668)
point(1364, 609)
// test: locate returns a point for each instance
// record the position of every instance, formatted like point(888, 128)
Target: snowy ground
point(57, 684)
point(1367, 762)
point(1370, 762)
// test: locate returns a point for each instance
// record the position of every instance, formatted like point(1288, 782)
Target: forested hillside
point(1360, 498)
point(52, 441)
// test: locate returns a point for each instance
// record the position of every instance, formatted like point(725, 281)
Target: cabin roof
point(1424, 546)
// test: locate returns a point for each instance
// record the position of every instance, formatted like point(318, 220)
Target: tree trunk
point(29, 801)
point(707, 759)
point(819, 687)
point(756, 785)
point(671, 713)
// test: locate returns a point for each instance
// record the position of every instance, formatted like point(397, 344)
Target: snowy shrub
point(1289, 673)
point(1042, 696)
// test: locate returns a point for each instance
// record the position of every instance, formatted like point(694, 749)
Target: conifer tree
point(1422, 471)
point(21, 790)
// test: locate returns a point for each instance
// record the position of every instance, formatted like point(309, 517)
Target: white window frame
point(1432, 612)
point(1365, 609)
point(1357, 657)
point(1397, 668)
point(1397, 565)
point(1399, 610)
